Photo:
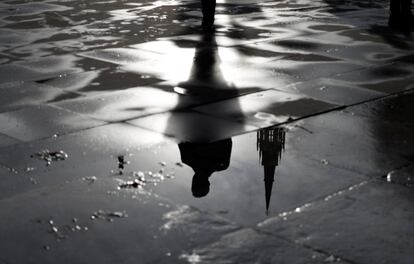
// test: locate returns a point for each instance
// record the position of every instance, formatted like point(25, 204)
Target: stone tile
point(100, 81)
point(141, 226)
point(11, 73)
point(392, 109)
point(353, 48)
point(377, 36)
point(207, 92)
point(184, 64)
point(191, 126)
point(237, 192)
point(265, 108)
point(249, 246)
point(309, 70)
point(38, 122)
point(355, 143)
point(6, 140)
point(40, 69)
point(128, 104)
point(120, 56)
point(355, 224)
point(17, 95)
point(390, 122)
point(320, 27)
point(181, 65)
point(91, 152)
point(335, 92)
point(165, 45)
point(59, 65)
point(390, 78)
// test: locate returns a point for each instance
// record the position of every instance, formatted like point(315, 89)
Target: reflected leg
point(401, 16)
point(208, 8)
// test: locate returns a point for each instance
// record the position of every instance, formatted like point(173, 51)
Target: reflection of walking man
point(401, 16)
point(207, 146)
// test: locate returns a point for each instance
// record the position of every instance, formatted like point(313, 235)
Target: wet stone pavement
point(129, 136)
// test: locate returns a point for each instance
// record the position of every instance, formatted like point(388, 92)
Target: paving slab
point(38, 122)
point(188, 126)
point(120, 56)
point(335, 92)
point(308, 70)
point(6, 140)
point(183, 63)
point(16, 95)
point(390, 78)
point(11, 73)
point(392, 109)
point(236, 188)
point(91, 152)
point(249, 246)
point(88, 222)
point(343, 224)
point(265, 108)
point(100, 81)
point(355, 143)
point(128, 104)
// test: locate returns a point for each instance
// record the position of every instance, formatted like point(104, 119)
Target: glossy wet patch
point(38, 122)
point(265, 108)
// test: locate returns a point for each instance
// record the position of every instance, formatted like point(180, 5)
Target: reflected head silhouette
point(205, 159)
point(200, 185)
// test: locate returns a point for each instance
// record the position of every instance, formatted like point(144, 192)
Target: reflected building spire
point(270, 144)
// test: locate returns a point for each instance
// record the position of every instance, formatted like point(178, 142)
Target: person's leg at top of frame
point(401, 16)
point(208, 8)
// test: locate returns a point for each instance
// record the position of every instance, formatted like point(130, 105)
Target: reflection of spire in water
point(270, 144)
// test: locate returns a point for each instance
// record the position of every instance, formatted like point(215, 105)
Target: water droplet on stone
point(390, 175)
point(29, 169)
point(50, 156)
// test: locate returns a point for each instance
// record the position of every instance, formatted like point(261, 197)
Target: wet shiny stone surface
point(127, 135)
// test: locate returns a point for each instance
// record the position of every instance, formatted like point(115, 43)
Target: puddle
point(50, 156)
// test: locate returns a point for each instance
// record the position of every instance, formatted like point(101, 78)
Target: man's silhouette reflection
point(207, 148)
point(205, 159)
